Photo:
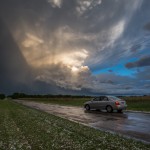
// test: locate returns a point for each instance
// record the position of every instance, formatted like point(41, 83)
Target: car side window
point(96, 99)
point(104, 98)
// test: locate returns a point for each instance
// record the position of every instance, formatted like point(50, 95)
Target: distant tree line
point(2, 96)
point(23, 95)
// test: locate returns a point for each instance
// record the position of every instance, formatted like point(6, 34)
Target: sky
point(87, 47)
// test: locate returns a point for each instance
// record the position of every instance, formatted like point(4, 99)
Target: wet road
point(135, 125)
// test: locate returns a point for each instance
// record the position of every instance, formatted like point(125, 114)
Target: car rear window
point(114, 98)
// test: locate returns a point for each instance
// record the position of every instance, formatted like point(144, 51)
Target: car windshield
point(114, 98)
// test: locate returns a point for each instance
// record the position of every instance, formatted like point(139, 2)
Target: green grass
point(138, 103)
point(134, 103)
point(23, 128)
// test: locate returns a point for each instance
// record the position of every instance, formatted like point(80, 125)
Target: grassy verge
point(134, 103)
point(22, 128)
point(138, 103)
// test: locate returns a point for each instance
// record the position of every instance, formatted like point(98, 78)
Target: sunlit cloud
point(116, 31)
point(55, 3)
point(86, 5)
point(31, 41)
point(37, 53)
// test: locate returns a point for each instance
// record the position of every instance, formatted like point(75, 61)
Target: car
point(108, 103)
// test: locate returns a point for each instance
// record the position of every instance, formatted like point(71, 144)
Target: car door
point(104, 102)
point(95, 103)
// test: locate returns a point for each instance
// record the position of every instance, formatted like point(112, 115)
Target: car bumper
point(120, 107)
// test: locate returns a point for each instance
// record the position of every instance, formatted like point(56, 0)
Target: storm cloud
point(144, 61)
point(58, 46)
point(147, 26)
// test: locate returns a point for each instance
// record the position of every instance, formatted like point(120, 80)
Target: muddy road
point(130, 124)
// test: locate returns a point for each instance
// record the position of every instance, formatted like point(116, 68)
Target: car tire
point(87, 107)
point(109, 109)
point(119, 111)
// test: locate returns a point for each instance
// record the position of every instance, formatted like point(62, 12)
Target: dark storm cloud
point(15, 74)
point(92, 21)
point(135, 48)
point(119, 84)
point(13, 67)
point(110, 70)
point(144, 61)
point(53, 44)
point(116, 46)
point(144, 75)
point(133, 41)
point(147, 26)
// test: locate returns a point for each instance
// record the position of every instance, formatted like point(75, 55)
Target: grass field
point(138, 103)
point(23, 128)
point(134, 103)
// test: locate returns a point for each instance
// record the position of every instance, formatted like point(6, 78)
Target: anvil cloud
point(75, 47)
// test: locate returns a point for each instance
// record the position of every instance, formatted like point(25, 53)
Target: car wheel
point(119, 111)
point(109, 109)
point(87, 107)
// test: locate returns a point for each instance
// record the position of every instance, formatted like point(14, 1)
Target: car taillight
point(117, 103)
